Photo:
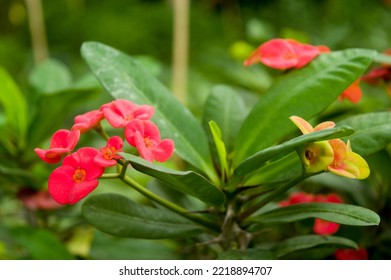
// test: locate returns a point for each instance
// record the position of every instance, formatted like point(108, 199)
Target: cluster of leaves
point(236, 169)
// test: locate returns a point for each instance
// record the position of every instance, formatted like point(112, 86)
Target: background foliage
point(222, 33)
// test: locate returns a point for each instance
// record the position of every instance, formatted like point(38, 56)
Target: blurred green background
point(221, 34)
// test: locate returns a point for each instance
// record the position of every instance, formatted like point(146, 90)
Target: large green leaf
point(119, 216)
point(334, 212)
point(373, 132)
point(305, 92)
point(123, 77)
point(304, 242)
point(257, 160)
point(188, 182)
point(108, 247)
point(226, 107)
point(50, 76)
point(14, 107)
point(41, 244)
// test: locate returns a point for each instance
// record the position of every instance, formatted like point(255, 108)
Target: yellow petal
point(360, 163)
point(302, 124)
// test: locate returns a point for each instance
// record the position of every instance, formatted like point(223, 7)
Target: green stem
point(271, 196)
point(110, 176)
point(102, 132)
point(173, 207)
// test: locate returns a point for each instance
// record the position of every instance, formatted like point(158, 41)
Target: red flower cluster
point(78, 175)
point(320, 227)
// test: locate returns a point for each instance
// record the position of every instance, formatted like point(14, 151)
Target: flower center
point(149, 143)
point(129, 117)
point(309, 155)
point(79, 175)
point(109, 153)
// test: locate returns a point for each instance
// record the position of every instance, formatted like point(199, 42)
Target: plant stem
point(271, 196)
point(169, 205)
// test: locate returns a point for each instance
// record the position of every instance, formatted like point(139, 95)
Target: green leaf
point(188, 182)
point(220, 147)
point(119, 216)
point(41, 244)
point(123, 77)
point(226, 107)
point(334, 212)
point(52, 110)
point(277, 171)
point(14, 106)
point(304, 92)
point(257, 160)
point(373, 132)
point(50, 76)
point(249, 254)
point(382, 58)
point(304, 242)
point(108, 247)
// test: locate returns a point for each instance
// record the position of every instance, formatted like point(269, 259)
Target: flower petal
point(323, 227)
point(87, 121)
point(304, 126)
point(164, 150)
point(141, 147)
point(305, 53)
point(324, 125)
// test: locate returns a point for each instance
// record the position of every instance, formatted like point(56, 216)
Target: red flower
point(76, 178)
point(323, 227)
point(285, 53)
point(37, 200)
point(121, 111)
point(320, 227)
point(108, 155)
point(145, 136)
point(298, 197)
point(353, 93)
point(351, 254)
point(377, 74)
point(88, 120)
point(63, 142)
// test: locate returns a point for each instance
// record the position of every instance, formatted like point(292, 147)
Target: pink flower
point(284, 54)
point(76, 178)
point(63, 142)
point(108, 155)
point(37, 200)
point(87, 121)
point(351, 254)
point(145, 136)
point(121, 111)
